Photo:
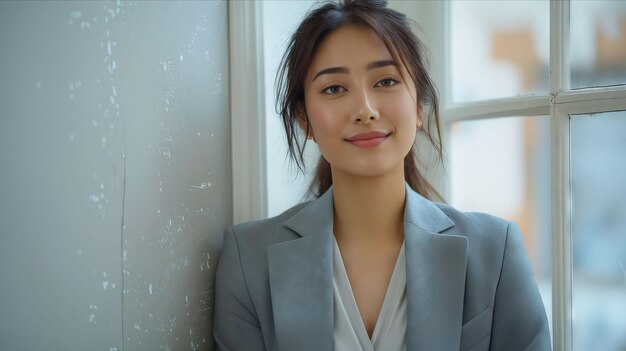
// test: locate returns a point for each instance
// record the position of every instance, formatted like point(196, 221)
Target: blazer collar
point(420, 212)
point(301, 278)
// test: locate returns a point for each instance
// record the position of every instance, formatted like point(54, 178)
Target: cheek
point(403, 113)
point(324, 119)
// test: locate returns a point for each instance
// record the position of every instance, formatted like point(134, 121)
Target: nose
point(364, 111)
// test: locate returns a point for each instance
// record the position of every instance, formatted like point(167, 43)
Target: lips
point(368, 139)
point(367, 136)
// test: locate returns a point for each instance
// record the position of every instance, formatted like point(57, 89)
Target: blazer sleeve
point(519, 317)
point(235, 323)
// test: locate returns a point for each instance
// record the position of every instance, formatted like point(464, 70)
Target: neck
point(369, 210)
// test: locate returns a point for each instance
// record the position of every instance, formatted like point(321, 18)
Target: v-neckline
point(351, 303)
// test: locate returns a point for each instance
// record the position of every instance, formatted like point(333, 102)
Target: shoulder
point(475, 225)
point(474, 222)
point(266, 231)
point(245, 245)
point(487, 234)
point(495, 253)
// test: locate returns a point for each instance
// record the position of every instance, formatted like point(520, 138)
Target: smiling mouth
point(371, 142)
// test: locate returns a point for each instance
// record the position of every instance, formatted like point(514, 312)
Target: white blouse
point(349, 330)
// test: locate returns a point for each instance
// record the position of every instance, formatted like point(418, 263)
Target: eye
point(333, 89)
point(387, 82)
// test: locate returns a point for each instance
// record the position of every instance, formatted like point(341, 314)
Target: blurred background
point(501, 50)
point(116, 157)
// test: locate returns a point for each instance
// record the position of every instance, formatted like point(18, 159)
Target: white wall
point(115, 173)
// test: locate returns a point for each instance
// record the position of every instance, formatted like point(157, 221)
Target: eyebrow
point(370, 66)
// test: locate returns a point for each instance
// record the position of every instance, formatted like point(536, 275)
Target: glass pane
point(598, 43)
point(598, 171)
point(499, 49)
point(510, 180)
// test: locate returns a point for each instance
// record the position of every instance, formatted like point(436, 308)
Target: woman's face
point(352, 87)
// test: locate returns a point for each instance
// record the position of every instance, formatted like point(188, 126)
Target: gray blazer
point(469, 282)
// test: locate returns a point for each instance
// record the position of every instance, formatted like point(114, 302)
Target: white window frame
point(247, 110)
point(559, 104)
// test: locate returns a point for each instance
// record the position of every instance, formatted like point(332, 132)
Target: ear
point(302, 120)
point(301, 116)
point(420, 115)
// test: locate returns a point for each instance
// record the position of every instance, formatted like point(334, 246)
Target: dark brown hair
point(394, 29)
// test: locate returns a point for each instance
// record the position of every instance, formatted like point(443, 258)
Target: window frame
point(560, 103)
point(246, 76)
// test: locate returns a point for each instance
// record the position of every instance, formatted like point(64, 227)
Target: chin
point(369, 169)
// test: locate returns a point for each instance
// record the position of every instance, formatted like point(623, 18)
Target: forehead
point(349, 46)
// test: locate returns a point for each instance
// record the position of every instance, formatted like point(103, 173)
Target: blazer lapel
point(300, 274)
point(435, 275)
point(301, 278)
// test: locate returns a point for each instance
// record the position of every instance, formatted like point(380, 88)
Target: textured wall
point(114, 173)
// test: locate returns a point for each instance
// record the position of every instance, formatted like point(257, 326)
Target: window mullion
point(560, 176)
point(508, 107)
point(592, 94)
point(561, 230)
point(559, 47)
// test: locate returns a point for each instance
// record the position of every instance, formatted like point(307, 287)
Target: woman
point(371, 263)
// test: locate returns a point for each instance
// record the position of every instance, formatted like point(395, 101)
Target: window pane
point(502, 167)
point(598, 43)
point(598, 169)
point(499, 49)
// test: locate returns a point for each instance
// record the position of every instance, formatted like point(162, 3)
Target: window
point(534, 92)
point(537, 99)
point(510, 181)
point(498, 49)
point(598, 227)
point(598, 55)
